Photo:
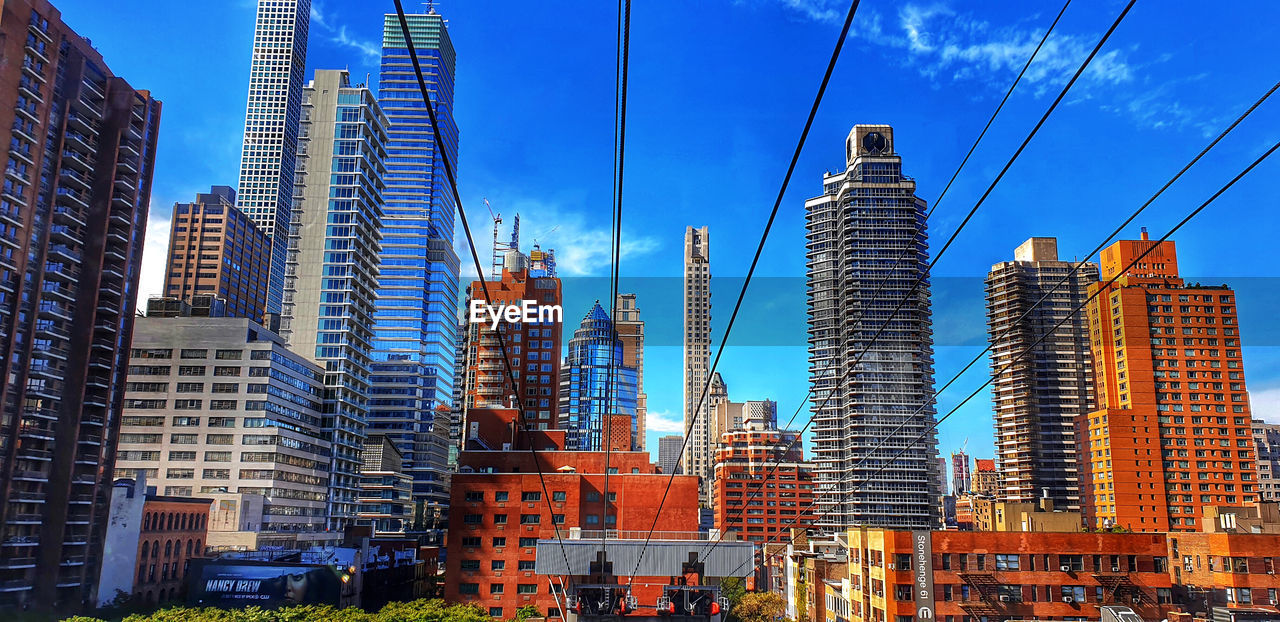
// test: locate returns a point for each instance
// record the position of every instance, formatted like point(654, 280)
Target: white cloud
point(155, 255)
point(1265, 404)
point(664, 421)
point(582, 247)
point(371, 51)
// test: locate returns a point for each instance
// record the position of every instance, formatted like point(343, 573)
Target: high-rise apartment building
point(215, 250)
point(762, 483)
point(219, 408)
point(73, 213)
point(595, 386)
point(961, 477)
point(533, 348)
point(332, 268)
point(272, 119)
point(1171, 432)
point(1266, 439)
point(415, 325)
point(1041, 395)
point(631, 330)
point(386, 491)
point(698, 454)
point(727, 416)
point(867, 246)
point(669, 453)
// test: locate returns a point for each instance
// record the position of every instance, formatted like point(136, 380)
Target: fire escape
point(990, 606)
point(1117, 588)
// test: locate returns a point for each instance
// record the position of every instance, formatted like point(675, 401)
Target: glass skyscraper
point(586, 392)
point(416, 325)
point(271, 119)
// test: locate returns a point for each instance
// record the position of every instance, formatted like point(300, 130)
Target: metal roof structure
point(662, 558)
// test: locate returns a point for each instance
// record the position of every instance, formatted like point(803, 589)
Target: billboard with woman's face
point(237, 583)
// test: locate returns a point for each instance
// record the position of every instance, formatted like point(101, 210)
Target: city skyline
point(191, 158)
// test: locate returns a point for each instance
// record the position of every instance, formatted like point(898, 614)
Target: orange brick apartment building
point(753, 498)
point(1171, 433)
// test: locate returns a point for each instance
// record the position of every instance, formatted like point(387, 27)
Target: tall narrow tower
point(332, 269)
point(631, 330)
point(857, 232)
point(269, 156)
point(1040, 397)
point(416, 323)
point(697, 355)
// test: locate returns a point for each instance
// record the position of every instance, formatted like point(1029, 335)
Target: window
point(475, 495)
point(472, 519)
point(495, 612)
point(1009, 593)
point(472, 541)
point(527, 588)
point(530, 496)
point(500, 495)
point(227, 371)
point(191, 370)
point(499, 519)
point(469, 564)
point(558, 495)
point(1074, 592)
point(498, 564)
point(469, 588)
point(530, 519)
point(1072, 562)
point(525, 564)
point(186, 422)
point(228, 355)
point(1006, 561)
point(499, 542)
point(195, 354)
point(528, 543)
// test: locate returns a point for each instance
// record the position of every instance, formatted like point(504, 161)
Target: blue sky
point(719, 90)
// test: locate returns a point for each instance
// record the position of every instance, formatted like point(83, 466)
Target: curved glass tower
point(586, 392)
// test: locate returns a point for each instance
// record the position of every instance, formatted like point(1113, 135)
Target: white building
point(866, 220)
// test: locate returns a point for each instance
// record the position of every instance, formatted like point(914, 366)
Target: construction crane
point(500, 249)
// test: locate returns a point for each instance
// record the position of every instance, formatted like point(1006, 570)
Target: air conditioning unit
point(1068, 599)
point(1064, 568)
point(890, 566)
point(1137, 599)
point(1115, 569)
point(1005, 598)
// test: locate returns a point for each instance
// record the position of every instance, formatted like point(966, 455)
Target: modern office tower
point(415, 325)
point(762, 483)
point(537, 359)
point(272, 118)
point(386, 491)
point(332, 268)
point(1266, 438)
point(961, 476)
point(218, 407)
point(697, 355)
point(631, 330)
point(74, 212)
point(595, 385)
point(215, 250)
point(986, 479)
point(1171, 431)
point(867, 246)
point(1040, 395)
point(669, 453)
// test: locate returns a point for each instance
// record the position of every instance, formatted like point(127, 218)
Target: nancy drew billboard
point(235, 583)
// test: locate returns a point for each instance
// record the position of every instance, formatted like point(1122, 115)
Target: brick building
point(751, 496)
point(215, 249)
point(149, 543)
point(1171, 432)
point(533, 347)
point(499, 510)
point(986, 480)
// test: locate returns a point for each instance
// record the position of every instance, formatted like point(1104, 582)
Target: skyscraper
point(1042, 396)
point(1171, 432)
point(669, 453)
point(867, 218)
point(215, 250)
point(595, 384)
point(1266, 438)
point(631, 330)
point(74, 212)
point(271, 120)
point(415, 325)
point(697, 356)
point(488, 383)
point(961, 476)
point(332, 264)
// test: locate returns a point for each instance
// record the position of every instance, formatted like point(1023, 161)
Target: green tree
point(733, 589)
point(760, 607)
point(526, 612)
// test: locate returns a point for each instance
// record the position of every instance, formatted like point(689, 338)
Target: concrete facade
point(699, 453)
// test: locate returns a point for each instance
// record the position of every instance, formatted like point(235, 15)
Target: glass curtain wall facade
point(416, 328)
point(587, 394)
